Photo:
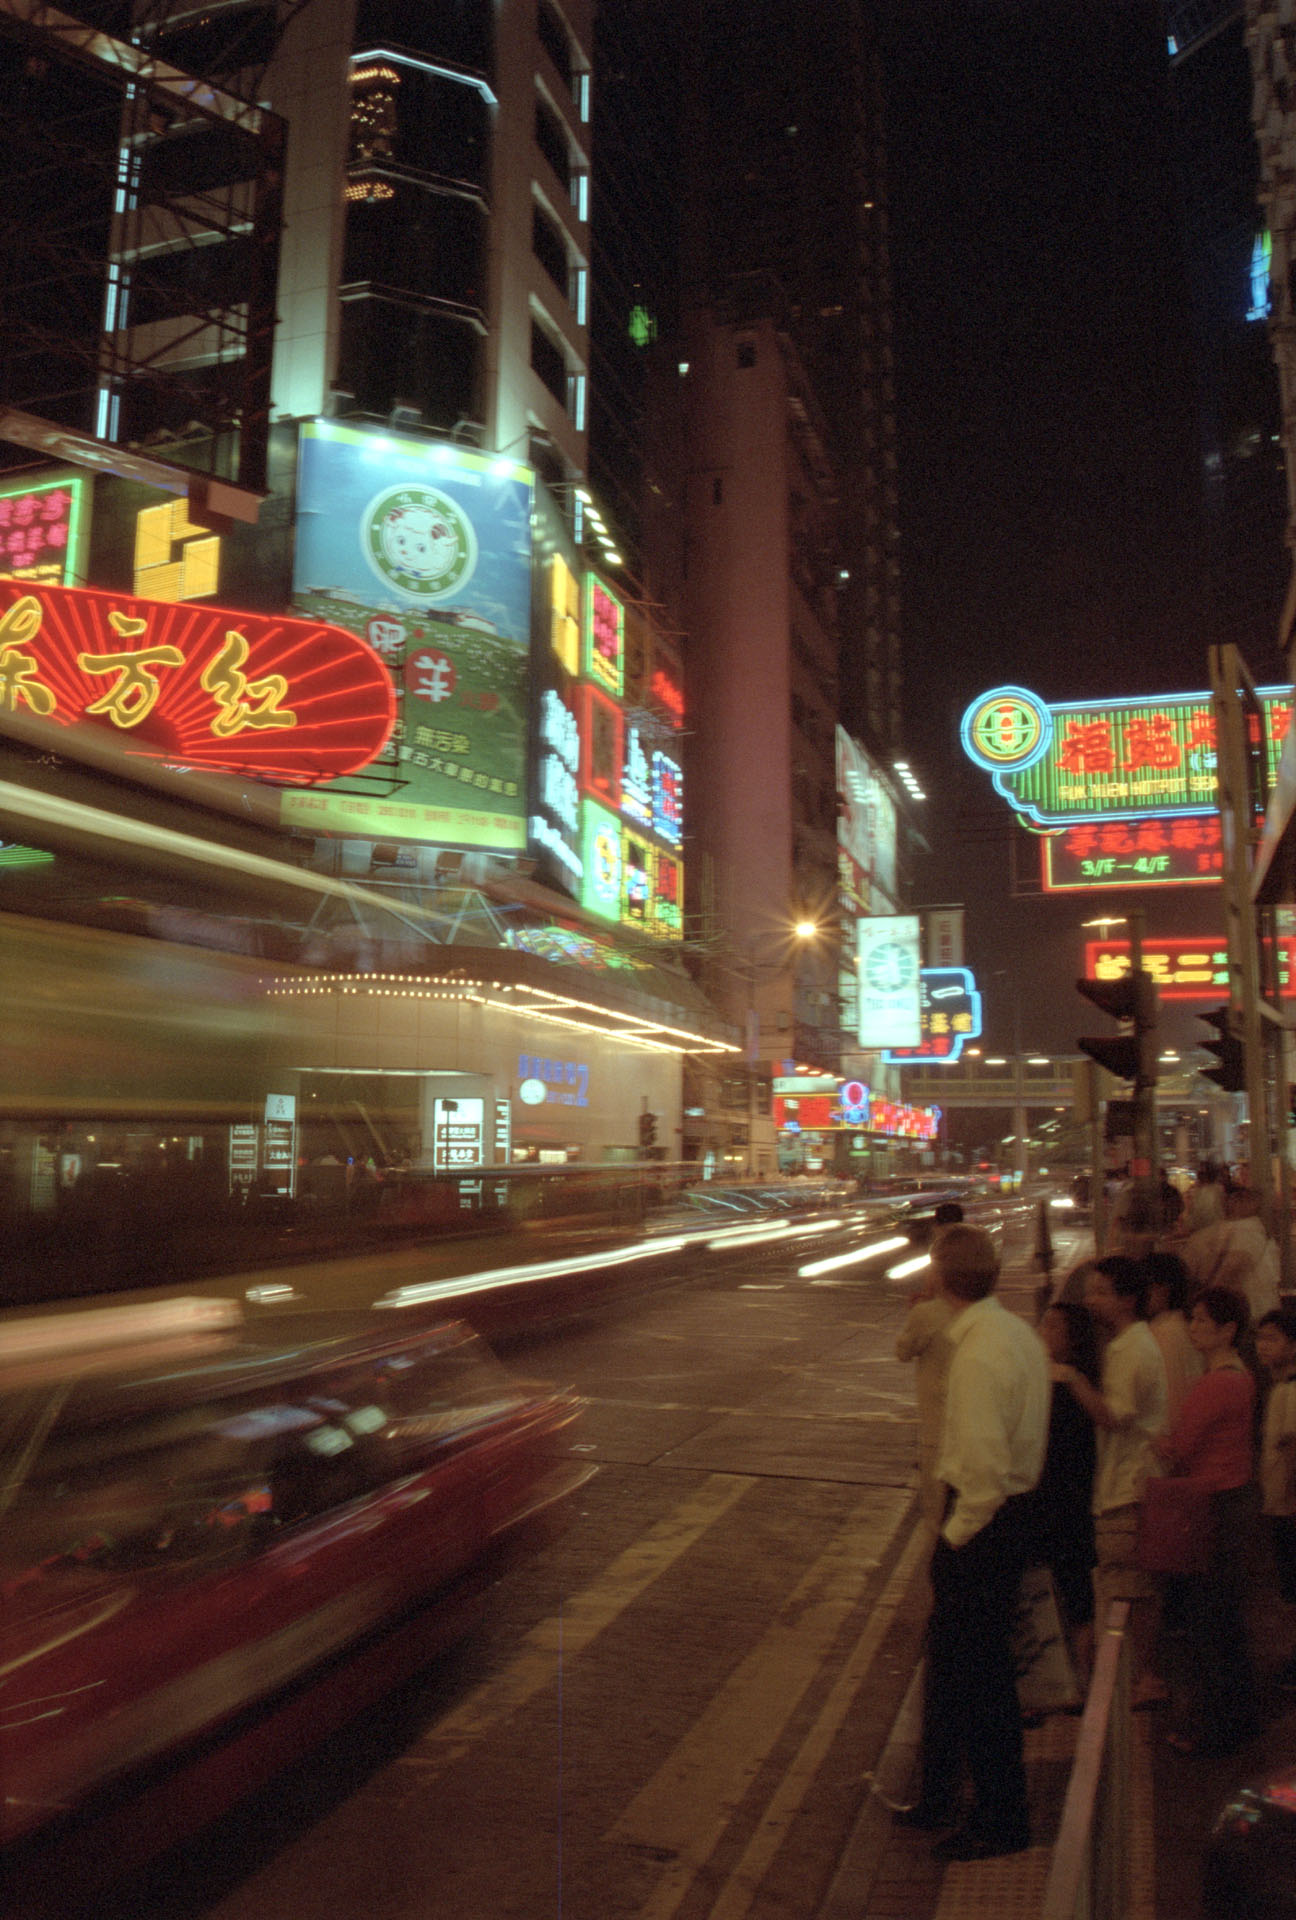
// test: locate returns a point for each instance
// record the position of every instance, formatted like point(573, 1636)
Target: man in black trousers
point(991, 1453)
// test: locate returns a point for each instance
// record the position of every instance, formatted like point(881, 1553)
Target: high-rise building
point(1235, 270)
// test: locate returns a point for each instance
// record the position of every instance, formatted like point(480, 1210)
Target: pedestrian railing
point(1089, 1878)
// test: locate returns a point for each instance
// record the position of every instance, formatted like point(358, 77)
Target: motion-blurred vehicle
point(199, 1519)
point(1250, 1863)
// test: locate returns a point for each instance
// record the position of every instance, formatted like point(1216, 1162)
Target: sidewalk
point(887, 1872)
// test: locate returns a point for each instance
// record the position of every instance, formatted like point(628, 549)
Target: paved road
point(673, 1710)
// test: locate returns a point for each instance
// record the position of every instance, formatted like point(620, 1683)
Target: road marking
point(584, 1615)
point(686, 1807)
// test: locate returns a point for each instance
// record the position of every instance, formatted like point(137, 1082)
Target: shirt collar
point(966, 1317)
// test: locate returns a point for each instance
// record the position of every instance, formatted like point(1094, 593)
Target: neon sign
point(668, 898)
point(1183, 968)
point(287, 700)
point(636, 800)
point(951, 1016)
point(41, 530)
point(1188, 851)
point(636, 881)
point(602, 746)
point(558, 825)
point(666, 690)
point(564, 614)
point(604, 654)
point(1109, 760)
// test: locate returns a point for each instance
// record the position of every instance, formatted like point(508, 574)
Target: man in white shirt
point(992, 1450)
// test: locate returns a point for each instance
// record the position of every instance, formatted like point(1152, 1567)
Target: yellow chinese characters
point(134, 695)
point(225, 680)
point(18, 682)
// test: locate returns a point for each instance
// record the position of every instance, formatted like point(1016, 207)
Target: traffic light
point(1229, 1051)
point(1132, 998)
point(647, 1129)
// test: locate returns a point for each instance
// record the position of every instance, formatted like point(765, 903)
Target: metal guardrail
point(1089, 1878)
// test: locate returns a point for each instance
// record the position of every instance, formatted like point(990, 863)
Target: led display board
point(1187, 851)
point(601, 858)
point(1183, 968)
point(43, 529)
point(951, 1016)
point(284, 700)
point(1060, 766)
point(423, 550)
point(889, 1001)
point(556, 824)
point(603, 653)
point(564, 615)
point(667, 799)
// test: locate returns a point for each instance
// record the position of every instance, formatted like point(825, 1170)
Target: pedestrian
point(1061, 1507)
point(992, 1450)
point(922, 1339)
point(1275, 1341)
point(1212, 1442)
point(1128, 1410)
point(1237, 1252)
point(1168, 1287)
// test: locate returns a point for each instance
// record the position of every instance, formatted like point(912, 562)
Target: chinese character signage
point(889, 994)
point(602, 745)
point(636, 796)
point(951, 1016)
point(1183, 968)
point(1110, 760)
point(866, 830)
point(604, 650)
point(556, 825)
point(284, 700)
point(564, 615)
point(42, 529)
point(1186, 851)
point(423, 550)
point(667, 799)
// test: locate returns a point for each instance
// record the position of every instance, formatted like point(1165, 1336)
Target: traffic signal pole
point(1230, 683)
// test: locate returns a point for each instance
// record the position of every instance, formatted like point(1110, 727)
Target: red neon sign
point(284, 699)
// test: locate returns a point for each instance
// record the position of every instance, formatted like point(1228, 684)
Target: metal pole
point(1237, 828)
point(1098, 1185)
point(1146, 1145)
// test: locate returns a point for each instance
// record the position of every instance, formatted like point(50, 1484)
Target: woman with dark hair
point(1168, 1288)
point(1212, 1441)
point(1061, 1511)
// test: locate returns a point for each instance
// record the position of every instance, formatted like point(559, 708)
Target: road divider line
point(686, 1807)
point(584, 1616)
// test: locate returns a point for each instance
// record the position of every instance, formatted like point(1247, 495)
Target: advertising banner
point(890, 1006)
point(1099, 760)
point(43, 526)
point(424, 550)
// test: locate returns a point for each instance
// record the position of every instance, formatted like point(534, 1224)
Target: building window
point(746, 353)
point(551, 138)
point(547, 363)
point(549, 248)
point(552, 35)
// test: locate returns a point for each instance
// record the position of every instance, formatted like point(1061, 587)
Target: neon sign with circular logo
point(1008, 728)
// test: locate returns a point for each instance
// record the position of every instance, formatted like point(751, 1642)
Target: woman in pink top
point(1212, 1441)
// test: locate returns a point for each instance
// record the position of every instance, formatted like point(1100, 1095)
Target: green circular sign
point(419, 542)
point(1006, 729)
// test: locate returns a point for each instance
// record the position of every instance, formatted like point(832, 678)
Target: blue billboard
point(424, 549)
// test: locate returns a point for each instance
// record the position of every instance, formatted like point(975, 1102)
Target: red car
point(195, 1526)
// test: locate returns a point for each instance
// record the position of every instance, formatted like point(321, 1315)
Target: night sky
point(1048, 411)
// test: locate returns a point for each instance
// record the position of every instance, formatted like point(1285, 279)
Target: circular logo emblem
point(533, 1093)
point(1006, 729)
point(419, 541)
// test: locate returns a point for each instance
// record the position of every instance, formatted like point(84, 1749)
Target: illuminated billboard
point(1184, 852)
point(889, 1004)
point(423, 550)
point(601, 860)
point(284, 700)
point(1088, 761)
point(43, 529)
point(866, 831)
point(951, 1016)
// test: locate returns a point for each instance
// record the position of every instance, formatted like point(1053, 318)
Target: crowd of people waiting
point(1169, 1358)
